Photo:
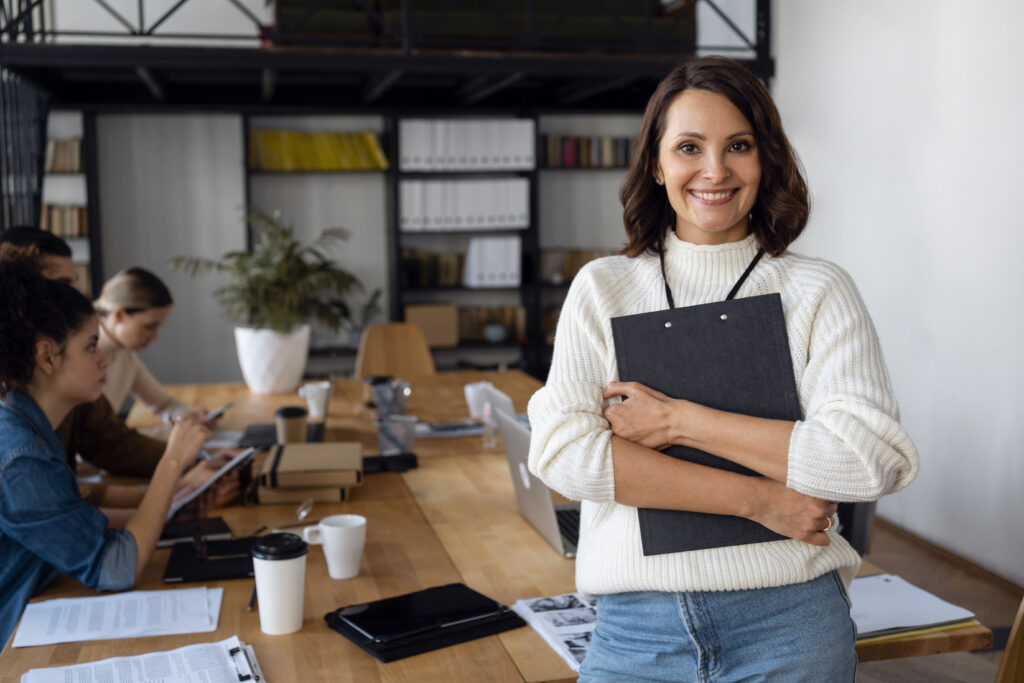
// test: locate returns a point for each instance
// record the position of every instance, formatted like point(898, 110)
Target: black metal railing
point(628, 26)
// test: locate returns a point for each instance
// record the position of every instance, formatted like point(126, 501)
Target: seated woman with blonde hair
point(132, 306)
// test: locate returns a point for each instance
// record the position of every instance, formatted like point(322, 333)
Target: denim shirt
point(45, 526)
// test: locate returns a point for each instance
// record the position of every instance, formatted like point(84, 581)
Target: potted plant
point(273, 291)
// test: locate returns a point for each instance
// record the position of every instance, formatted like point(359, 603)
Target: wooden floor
point(995, 603)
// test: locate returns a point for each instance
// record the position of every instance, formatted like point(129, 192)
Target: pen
point(260, 530)
point(252, 600)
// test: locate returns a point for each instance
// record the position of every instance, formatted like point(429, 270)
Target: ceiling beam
point(147, 78)
point(268, 84)
point(478, 89)
point(584, 89)
point(379, 84)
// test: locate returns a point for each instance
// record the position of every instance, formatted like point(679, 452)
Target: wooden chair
point(1011, 668)
point(397, 349)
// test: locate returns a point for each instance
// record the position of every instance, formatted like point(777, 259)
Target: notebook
point(223, 560)
point(559, 525)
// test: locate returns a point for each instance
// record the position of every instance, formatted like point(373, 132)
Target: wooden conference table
point(452, 519)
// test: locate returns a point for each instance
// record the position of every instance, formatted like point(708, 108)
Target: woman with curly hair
point(49, 363)
point(714, 196)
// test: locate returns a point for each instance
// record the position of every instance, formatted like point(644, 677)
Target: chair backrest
point(1011, 668)
point(397, 349)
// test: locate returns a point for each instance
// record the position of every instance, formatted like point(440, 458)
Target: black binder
point(425, 620)
point(733, 356)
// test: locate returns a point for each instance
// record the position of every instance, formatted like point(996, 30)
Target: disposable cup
point(279, 563)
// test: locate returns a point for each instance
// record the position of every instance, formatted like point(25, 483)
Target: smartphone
point(214, 414)
point(402, 616)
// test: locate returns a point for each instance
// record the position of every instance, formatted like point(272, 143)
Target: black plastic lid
point(291, 411)
point(280, 546)
point(378, 379)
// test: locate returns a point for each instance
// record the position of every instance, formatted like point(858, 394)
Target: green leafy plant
point(280, 284)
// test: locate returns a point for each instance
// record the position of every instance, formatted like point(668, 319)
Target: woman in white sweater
point(714, 182)
point(132, 306)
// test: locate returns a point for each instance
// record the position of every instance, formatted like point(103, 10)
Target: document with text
point(227, 661)
point(120, 615)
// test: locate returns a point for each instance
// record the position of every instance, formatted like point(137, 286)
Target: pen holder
point(396, 434)
point(391, 397)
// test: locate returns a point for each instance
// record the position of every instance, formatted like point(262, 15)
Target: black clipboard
point(425, 620)
point(731, 355)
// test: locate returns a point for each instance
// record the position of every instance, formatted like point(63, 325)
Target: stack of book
point(287, 150)
point(322, 472)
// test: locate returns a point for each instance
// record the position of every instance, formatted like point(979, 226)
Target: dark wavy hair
point(782, 205)
point(47, 243)
point(32, 308)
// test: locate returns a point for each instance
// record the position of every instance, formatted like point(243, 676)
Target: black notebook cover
point(733, 356)
point(422, 621)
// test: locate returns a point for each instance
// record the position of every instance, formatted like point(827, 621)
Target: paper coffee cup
point(343, 538)
point(318, 396)
point(291, 424)
point(279, 563)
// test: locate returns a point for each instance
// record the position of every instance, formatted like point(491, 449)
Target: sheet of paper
point(181, 501)
point(564, 621)
point(884, 603)
point(227, 660)
point(120, 615)
point(223, 438)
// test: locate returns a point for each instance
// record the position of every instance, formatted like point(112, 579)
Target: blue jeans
point(792, 633)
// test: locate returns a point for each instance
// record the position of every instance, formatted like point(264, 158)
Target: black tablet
point(430, 610)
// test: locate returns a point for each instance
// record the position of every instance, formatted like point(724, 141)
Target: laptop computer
point(558, 524)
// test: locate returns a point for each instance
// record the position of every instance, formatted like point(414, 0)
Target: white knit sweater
point(849, 446)
point(128, 375)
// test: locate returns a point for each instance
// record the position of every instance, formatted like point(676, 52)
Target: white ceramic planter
point(272, 362)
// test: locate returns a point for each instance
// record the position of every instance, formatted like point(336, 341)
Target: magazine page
point(564, 621)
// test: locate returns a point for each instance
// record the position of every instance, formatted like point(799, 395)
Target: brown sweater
point(94, 431)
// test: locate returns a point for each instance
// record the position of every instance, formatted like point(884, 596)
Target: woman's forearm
point(647, 478)
point(148, 520)
point(122, 496)
point(756, 443)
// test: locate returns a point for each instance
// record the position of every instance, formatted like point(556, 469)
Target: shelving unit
point(452, 218)
point(68, 207)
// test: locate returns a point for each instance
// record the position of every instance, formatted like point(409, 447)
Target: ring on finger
point(829, 523)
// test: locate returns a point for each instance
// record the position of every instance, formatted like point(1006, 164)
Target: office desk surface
point(452, 519)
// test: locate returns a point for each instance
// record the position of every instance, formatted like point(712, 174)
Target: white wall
point(906, 116)
point(173, 185)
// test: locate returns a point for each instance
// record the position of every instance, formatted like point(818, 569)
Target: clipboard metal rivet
point(668, 324)
point(724, 316)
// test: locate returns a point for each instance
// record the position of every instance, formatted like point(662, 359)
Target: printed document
point(884, 603)
point(228, 660)
point(564, 621)
point(120, 615)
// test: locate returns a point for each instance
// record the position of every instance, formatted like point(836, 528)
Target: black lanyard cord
point(732, 292)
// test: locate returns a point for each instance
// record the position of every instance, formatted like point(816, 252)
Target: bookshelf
point(65, 197)
point(463, 233)
point(312, 172)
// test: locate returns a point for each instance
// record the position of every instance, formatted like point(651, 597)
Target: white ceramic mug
point(318, 397)
point(343, 538)
point(279, 564)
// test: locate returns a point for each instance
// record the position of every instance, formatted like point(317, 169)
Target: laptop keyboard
point(569, 525)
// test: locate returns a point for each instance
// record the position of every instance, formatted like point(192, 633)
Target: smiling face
point(136, 331)
point(82, 367)
point(709, 165)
